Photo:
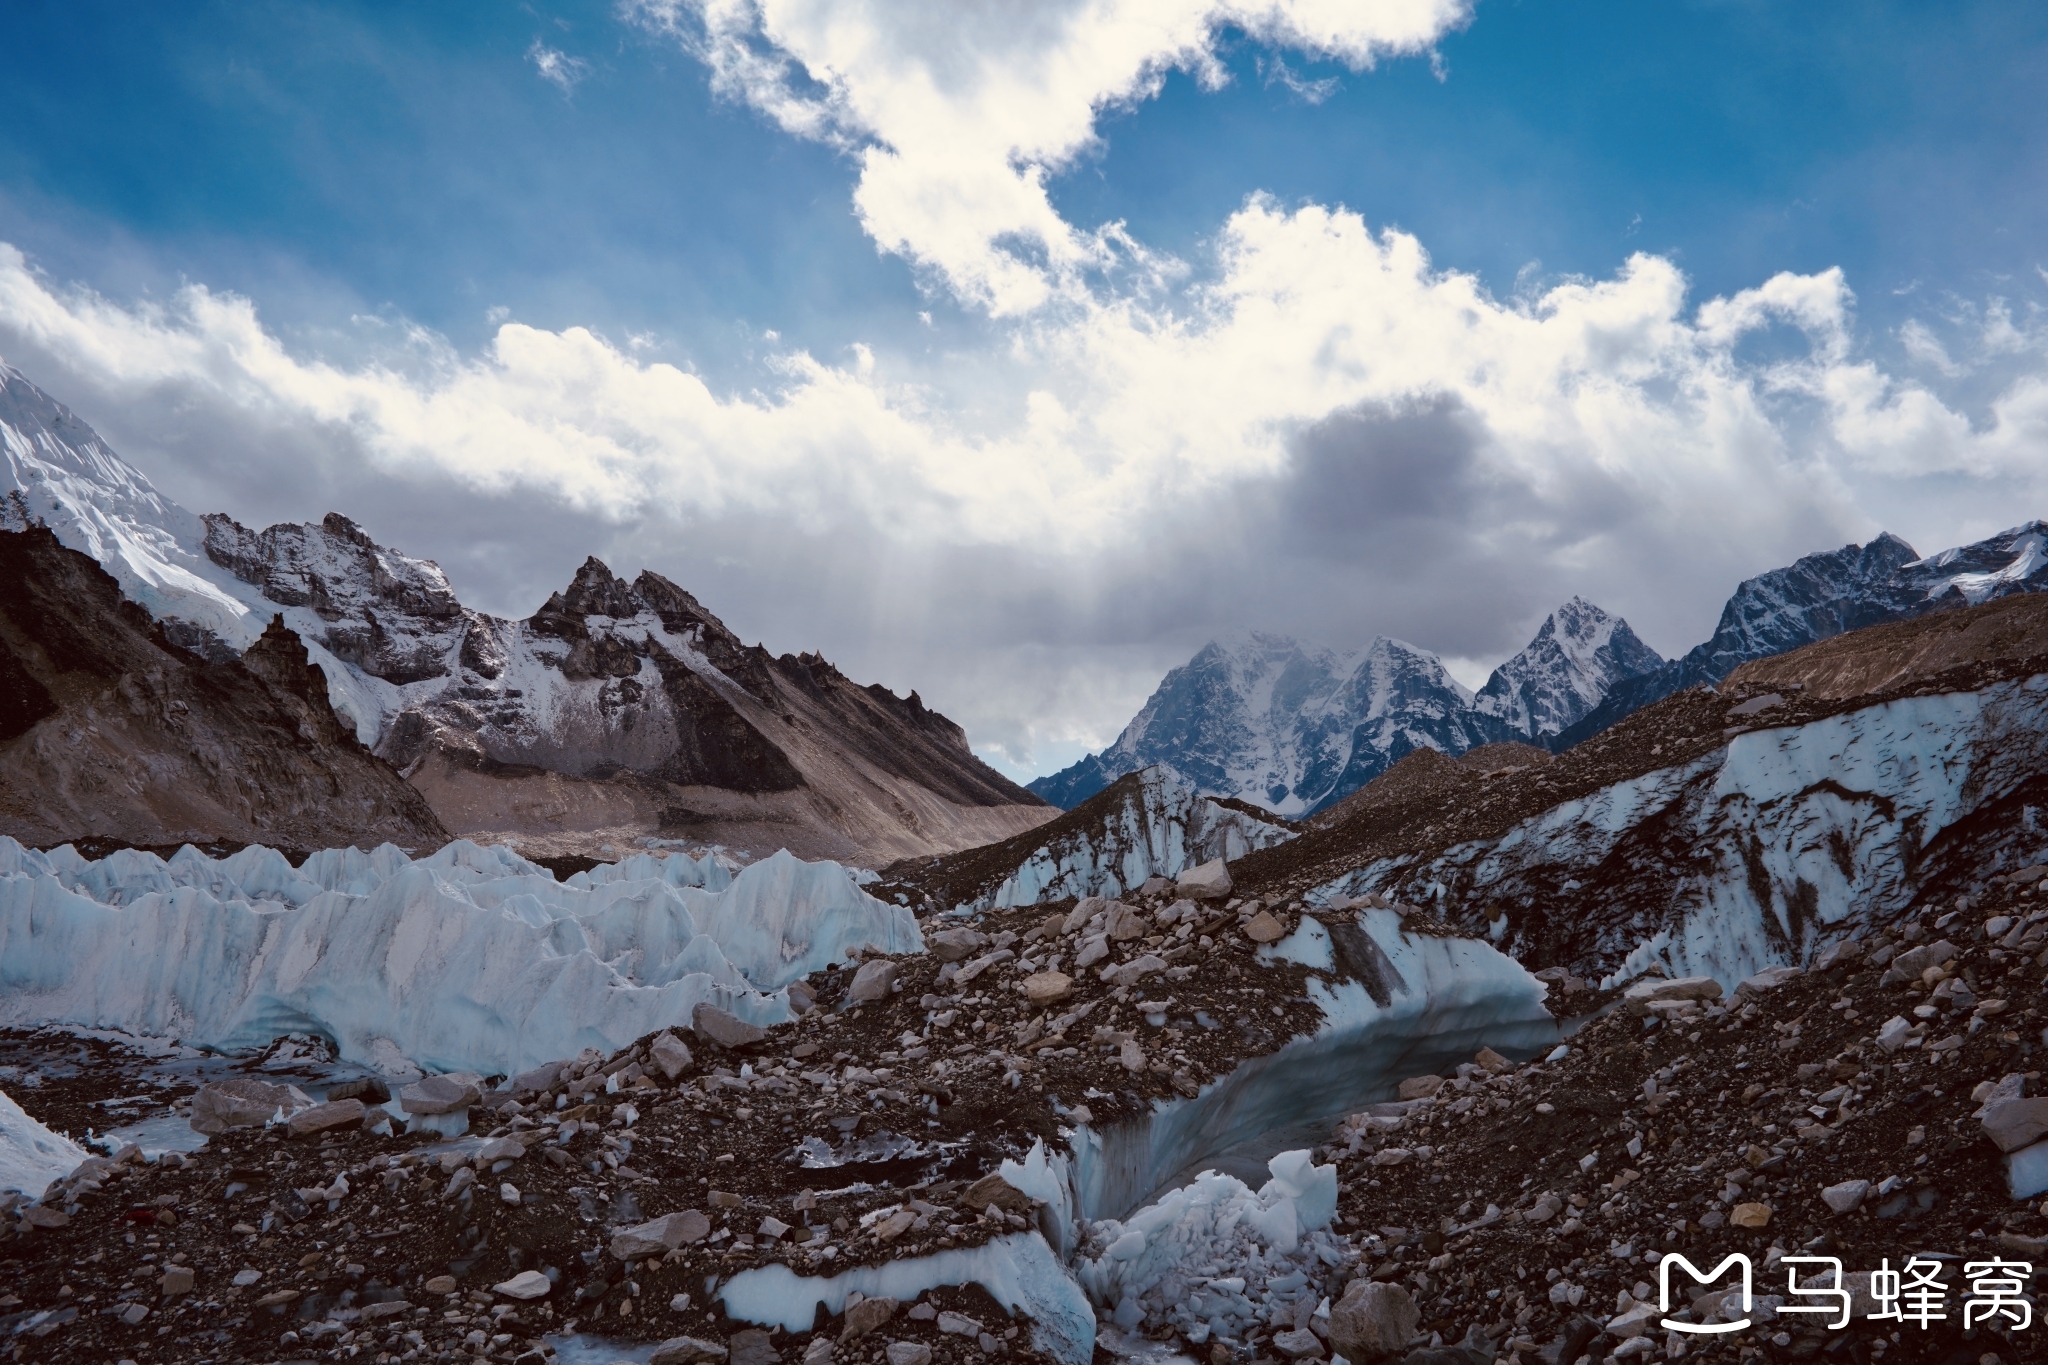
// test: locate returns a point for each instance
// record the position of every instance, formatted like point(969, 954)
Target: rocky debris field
point(1855, 1110)
point(867, 1131)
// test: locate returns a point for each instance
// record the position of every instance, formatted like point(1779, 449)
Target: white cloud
point(556, 67)
point(1313, 428)
point(958, 113)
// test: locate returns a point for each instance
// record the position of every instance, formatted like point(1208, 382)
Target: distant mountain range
point(1294, 727)
point(616, 712)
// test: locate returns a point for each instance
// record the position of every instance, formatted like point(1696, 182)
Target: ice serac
point(1287, 725)
point(31, 1156)
point(618, 711)
point(469, 960)
point(1746, 856)
point(109, 729)
point(1145, 824)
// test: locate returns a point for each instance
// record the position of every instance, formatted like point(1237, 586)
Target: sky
point(1012, 352)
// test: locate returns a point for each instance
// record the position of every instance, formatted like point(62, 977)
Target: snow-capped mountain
point(1823, 595)
point(1294, 726)
point(1285, 724)
point(615, 712)
point(1578, 656)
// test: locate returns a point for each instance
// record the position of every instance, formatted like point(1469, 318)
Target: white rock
point(1846, 1197)
point(1209, 882)
point(527, 1284)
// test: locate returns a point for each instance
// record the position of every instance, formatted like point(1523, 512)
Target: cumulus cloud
point(1310, 428)
point(957, 114)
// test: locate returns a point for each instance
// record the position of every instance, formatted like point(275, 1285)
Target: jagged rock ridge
point(1295, 726)
point(108, 728)
point(617, 712)
point(1822, 596)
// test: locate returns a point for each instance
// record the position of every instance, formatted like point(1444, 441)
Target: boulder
point(323, 1117)
point(1914, 961)
point(1769, 979)
point(685, 1351)
point(661, 1236)
point(724, 1028)
point(447, 1094)
point(178, 1279)
point(1839, 953)
point(1124, 923)
point(670, 1054)
point(1371, 1324)
point(1638, 998)
point(956, 945)
point(1134, 971)
point(1492, 1062)
point(1421, 1087)
point(1085, 909)
point(993, 1189)
point(1209, 882)
point(865, 1316)
point(1750, 1215)
point(242, 1102)
point(2013, 1124)
point(753, 1347)
point(527, 1284)
point(542, 1077)
point(908, 1353)
point(1846, 1197)
point(1297, 1344)
point(1045, 988)
point(802, 999)
point(871, 982)
point(368, 1089)
point(1263, 928)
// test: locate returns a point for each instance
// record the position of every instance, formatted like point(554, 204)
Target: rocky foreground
point(1861, 1109)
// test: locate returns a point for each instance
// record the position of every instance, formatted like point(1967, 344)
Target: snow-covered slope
point(472, 959)
point(1827, 594)
point(1743, 856)
point(617, 711)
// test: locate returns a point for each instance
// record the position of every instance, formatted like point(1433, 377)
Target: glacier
point(472, 959)
point(1785, 835)
point(1160, 828)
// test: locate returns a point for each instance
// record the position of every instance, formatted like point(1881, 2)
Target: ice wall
point(1166, 828)
point(1019, 1271)
point(1739, 860)
point(472, 959)
point(31, 1156)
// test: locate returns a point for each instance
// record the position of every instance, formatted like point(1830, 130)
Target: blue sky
point(385, 186)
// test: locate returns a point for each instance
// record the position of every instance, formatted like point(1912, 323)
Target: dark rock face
point(109, 728)
point(1825, 595)
point(394, 618)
